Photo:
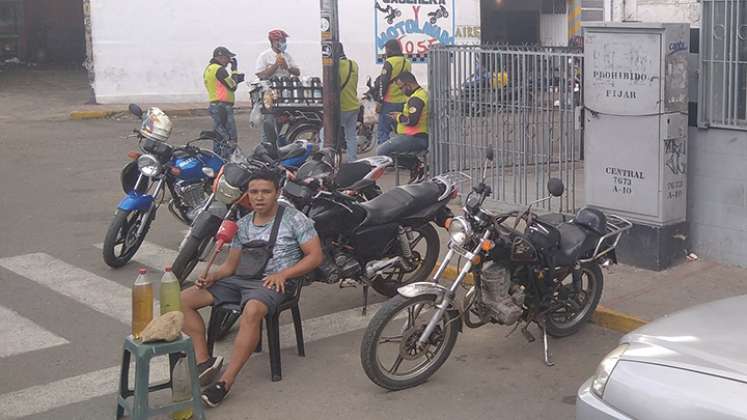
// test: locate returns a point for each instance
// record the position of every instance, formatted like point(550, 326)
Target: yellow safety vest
point(422, 126)
point(217, 91)
point(393, 94)
point(348, 71)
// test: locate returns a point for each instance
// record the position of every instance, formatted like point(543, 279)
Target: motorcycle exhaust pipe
point(375, 267)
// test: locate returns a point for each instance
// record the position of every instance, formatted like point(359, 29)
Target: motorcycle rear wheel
point(122, 232)
point(392, 279)
point(419, 310)
point(579, 305)
point(188, 257)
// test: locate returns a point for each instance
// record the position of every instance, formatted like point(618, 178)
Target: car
point(688, 365)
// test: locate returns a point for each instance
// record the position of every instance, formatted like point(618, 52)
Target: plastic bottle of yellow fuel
point(142, 303)
point(169, 292)
point(181, 389)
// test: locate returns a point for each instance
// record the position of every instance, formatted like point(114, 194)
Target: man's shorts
point(239, 291)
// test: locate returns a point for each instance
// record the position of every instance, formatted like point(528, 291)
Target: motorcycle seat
point(291, 151)
point(350, 173)
point(399, 202)
point(575, 242)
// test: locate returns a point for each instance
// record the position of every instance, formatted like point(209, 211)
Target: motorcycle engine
point(502, 299)
point(192, 195)
point(338, 266)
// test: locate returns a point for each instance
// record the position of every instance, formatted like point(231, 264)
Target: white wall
point(673, 11)
point(145, 51)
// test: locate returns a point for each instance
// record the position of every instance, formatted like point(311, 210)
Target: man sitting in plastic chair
point(274, 244)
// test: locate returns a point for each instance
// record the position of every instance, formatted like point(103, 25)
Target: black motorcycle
point(383, 243)
point(546, 273)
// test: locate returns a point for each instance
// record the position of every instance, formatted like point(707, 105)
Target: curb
point(80, 115)
point(604, 317)
point(90, 115)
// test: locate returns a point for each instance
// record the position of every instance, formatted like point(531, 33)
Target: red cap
point(277, 35)
point(143, 271)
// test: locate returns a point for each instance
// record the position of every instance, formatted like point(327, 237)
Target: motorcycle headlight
point(227, 193)
point(459, 231)
point(605, 368)
point(149, 165)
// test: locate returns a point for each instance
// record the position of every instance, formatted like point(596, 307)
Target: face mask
point(282, 46)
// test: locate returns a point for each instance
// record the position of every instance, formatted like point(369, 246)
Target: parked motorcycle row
point(518, 268)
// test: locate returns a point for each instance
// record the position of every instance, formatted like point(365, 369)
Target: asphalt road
point(61, 327)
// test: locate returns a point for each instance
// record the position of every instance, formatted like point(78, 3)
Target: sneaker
point(213, 395)
point(207, 370)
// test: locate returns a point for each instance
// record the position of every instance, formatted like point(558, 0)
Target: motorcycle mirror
point(555, 187)
point(135, 110)
point(490, 155)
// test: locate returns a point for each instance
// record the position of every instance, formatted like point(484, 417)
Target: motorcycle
point(382, 243)
point(303, 120)
point(548, 273)
point(186, 172)
point(438, 14)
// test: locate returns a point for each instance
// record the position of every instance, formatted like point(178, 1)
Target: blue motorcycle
point(186, 171)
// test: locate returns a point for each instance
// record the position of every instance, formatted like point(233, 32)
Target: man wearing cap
point(221, 86)
point(275, 62)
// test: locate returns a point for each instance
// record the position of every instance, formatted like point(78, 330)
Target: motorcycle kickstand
point(546, 344)
point(365, 299)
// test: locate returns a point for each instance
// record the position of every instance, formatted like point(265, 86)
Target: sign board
point(416, 24)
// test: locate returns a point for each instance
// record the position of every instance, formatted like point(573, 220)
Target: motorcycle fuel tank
point(333, 218)
point(191, 167)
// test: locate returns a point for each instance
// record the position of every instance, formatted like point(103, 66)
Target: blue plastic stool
point(143, 353)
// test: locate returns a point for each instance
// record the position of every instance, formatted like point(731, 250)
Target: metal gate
point(524, 103)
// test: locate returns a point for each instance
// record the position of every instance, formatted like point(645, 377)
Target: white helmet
point(156, 125)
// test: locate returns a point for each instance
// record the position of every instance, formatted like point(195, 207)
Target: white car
point(688, 365)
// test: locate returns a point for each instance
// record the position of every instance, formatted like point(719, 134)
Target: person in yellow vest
point(412, 122)
point(347, 73)
point(221, 86)
point(393, 99)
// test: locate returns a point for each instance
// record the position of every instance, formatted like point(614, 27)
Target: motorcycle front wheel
point(122, 241)
point(390, 355)
point(425, 246)
point(188, 257)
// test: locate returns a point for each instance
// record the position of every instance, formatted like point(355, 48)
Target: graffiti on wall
point(416, 24)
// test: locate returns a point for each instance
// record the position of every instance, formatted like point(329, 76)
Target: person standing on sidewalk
point(347, 73)
point(221, 86)
point(275, 62)
point(392, 96)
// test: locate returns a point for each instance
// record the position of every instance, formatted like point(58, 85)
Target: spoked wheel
point(308, 132)
point(122, 241)
point(425, 246)
point(366, 140)
point(575, 301)
point(390, 354)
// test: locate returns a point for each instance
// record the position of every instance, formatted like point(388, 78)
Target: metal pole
point(330, 94)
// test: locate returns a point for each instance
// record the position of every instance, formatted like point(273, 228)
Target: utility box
point(635, 134)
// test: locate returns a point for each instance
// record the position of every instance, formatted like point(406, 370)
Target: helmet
point(592, 219)
point(277, 35)
point(156, 125)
